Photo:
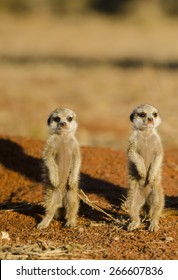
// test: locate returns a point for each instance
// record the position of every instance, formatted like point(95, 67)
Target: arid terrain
point(96, 236)
point(101, 67)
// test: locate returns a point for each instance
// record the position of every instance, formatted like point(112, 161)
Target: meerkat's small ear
point(49, 120)
point(75, 117)
point(132, 117)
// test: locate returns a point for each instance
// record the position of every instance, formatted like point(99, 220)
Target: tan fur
point(145, 155)
point(61, 168)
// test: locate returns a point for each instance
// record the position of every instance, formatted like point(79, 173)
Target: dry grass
point(102, 93)
point(43, 250)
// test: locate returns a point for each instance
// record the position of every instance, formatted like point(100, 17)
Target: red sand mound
point(104, 180)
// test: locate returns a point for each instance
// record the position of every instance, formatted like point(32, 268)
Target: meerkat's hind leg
point(53, 202)
point(135, 201)
point(156, 204)
point(71, 203)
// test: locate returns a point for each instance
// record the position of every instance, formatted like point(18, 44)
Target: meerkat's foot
point(44, 223)
point(153, 227)
point(70, 223)
point(133, 225)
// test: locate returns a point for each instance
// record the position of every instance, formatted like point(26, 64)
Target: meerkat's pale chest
point(146, 148)
point(64, 157)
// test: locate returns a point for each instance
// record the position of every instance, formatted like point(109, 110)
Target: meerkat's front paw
point(141, 168)
point(73, 180)
point(54, 180)
point(151, 180)
point(73, 184)
point(133, 225)
point(143, 175)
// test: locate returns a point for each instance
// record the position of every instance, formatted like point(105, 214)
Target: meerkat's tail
point(169, 212)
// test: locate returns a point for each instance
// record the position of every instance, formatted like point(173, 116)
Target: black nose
point(63, 124)
point(150, 119)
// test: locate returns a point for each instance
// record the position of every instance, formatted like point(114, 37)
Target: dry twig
point(86, 200)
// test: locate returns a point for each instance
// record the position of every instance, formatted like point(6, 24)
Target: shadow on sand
point(12, 156)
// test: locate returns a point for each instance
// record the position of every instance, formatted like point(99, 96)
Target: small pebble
point(169, 238)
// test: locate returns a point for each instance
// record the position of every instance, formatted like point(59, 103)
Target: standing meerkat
point(62, 162)
point(145, 156)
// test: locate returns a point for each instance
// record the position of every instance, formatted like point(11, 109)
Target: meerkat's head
point(62, 120)
point(145, 116)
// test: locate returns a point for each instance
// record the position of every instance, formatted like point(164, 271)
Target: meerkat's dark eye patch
point(155, 115)
point(56, 119)
point(69, 119)
point(142, 115)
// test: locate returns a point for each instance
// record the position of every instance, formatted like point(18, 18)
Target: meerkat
point(62, 161)
point(145, 156)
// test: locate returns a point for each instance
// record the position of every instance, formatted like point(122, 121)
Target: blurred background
point(100, 58)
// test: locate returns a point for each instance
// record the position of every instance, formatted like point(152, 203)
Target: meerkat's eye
point(69, 119)
point(57, 119)
point(155, 115)
point(142, 115)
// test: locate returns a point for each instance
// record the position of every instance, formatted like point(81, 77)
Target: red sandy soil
point(104, 181)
